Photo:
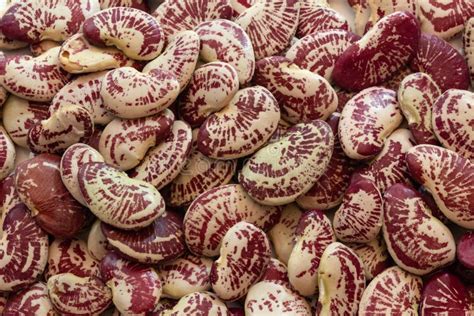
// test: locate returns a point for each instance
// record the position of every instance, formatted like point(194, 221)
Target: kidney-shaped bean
point(128, 93)
point(68, 125)
point(318, 52)
point(241, 127)
point(33, 78)
point(394, 291)
point(302, 95)
point(176, 16)
point(124, 143)
point(133, 31)
point(281, 171)
point(136, 288)
point(389, 45)
point(244, 255)
point(51, 204)
point(226, 41)
point(73, 295)
point(117, 199)
point(359, 218)
point(162, 240)
point(163, 163)
point(417, 241)
point(214, 212)
point(270, 25)
point(341, 281)
point(449, 177)
point(367, 120)
point(211, 88)
point(38, 20)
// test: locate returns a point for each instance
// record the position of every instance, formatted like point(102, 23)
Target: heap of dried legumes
point(237, 157)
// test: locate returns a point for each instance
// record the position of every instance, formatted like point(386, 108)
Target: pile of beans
point(236, 157)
